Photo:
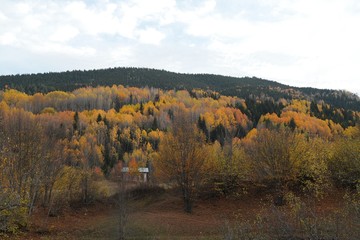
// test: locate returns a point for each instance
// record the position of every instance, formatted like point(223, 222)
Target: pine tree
point(76, 122)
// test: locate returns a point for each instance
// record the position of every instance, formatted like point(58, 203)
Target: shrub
point(145, 190)
point(345, 163)
point(13, 212)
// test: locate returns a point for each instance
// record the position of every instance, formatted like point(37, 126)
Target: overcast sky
point(297, 42)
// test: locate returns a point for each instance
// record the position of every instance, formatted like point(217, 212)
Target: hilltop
point(243, 87)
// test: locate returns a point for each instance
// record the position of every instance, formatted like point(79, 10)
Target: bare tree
point(24, 140)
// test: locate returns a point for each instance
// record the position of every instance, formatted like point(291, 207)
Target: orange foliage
point(133, 167)
point(304, 123)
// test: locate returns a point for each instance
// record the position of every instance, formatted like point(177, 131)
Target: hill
point(64, 149)
point(244, 87)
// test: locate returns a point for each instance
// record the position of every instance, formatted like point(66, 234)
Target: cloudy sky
point(297, 42)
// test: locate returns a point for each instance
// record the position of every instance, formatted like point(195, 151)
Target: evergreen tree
point(292, 124)
point(202, 126)
point(154, 125)
point(76, 123)
point(99, 118)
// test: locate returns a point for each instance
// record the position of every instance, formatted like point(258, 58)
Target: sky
point(305, 43)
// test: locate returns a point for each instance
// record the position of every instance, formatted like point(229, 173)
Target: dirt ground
point(155, 217)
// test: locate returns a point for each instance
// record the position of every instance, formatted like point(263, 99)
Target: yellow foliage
point(308, 124)
point(148, 108)
point(304, 122)
point(155, 135)
point(128, 109)
point(48, 110)
point(4, 107)
point(58, 96)
point(125, 120)
point(300, 106)
point(351, 132)
point(92, 115)
point(15, 98)
point(251, 134)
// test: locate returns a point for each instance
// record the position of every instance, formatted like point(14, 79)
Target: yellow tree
point(227, 168)
point(182, 157)
point(271, 156)
point(344, 164)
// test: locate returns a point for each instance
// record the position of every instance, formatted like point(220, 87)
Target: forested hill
point(139, 77)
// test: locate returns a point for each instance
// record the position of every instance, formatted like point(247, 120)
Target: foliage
point(313, 156)
point(228, 170)
point(345, 162)
point(13, 212)
point(272, 161)
point(182, 158)
point(57, 147)
point(284, 160)
point(138, 77)
point(300, 219)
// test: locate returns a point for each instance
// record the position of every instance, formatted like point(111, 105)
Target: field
point(158, 216)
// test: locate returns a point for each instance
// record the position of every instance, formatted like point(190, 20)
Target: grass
point(160, 216)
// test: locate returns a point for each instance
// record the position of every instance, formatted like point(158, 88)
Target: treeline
point(106, 98)
point(57, 147)
point(139, 77)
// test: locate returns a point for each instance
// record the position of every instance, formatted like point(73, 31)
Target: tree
point(273, 163)
point(292, 124)
point(24, 152)
point(345, 162)
point(182, 157)
point(21, 158)
point(227, 169)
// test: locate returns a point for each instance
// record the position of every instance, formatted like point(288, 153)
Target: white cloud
point(317, 43)
point(151, 36)
point(7, 39)
point(22, 8)
point(298, 42)
point(67, 50)
point(64, 34)
point(93, 21)
point(121, 56)
point(32, 23)
point(3, 18)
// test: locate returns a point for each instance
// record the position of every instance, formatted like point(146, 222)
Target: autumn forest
point(60, 148)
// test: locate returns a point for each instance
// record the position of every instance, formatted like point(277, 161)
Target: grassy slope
point(155, 217)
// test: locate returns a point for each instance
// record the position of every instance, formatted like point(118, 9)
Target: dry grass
point(161, 216)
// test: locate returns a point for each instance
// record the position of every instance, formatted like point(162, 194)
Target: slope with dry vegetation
point(63, 150)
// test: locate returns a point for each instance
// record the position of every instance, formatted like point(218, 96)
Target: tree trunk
point(187, 200)
point(122, 209)
point(279, 196)
point(85, 189)
point(46, 193)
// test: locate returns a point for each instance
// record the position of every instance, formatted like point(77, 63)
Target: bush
point(145, 190)
point(13, 212)
point(345, 163)
point(300, 220)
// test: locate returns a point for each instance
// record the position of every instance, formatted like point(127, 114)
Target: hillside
point(63, 149)
point(244, 87)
